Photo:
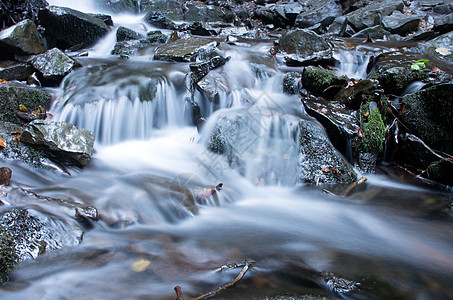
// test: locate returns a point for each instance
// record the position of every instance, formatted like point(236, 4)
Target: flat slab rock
point(185, 49)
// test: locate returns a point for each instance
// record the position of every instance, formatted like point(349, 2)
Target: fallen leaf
point(16, 138)
point(140, 265)
point(436, 70)
point(72, 87)
point(367, 113)
point(322, 110)
point(3, 81)
point(443, 51)
point(17, 132)
point(2, 142)
point(22, 108)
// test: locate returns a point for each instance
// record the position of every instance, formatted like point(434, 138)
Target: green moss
point(316, 80)
point(373, 130)
point(8, 254)
point(217, 143)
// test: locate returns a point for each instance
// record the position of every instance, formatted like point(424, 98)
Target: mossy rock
point(373, 129)
point(12, 95)
point(429, 114)
point(316, 80)
point(8, 254)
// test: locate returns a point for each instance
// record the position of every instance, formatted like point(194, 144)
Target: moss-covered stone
point(316, 80)
point(373, 129)
point(8, 254)
point(217, 142)
point(12, 95)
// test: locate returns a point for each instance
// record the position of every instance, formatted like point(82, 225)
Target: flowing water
point(152, 236)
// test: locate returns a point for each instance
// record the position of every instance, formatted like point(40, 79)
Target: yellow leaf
point(22, 108)
point(443, 51)
point(3, 81)
point(2, 142)
point(140, 265)
point(16, 138)
point(72, 87)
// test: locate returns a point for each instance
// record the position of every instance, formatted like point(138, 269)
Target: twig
point(353, 186)
point(239, 277)
point(178, 293)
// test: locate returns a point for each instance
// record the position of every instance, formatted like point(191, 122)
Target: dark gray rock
point(320, 12)
point(62, 140)
point(107, 19)
point(126, 34)
point(394, 73)
point(54, 65)
point(400, 23)
point(304, 47)
point(338, 26)
point(201, 69)
point(443, 24)
point(120, 6)
point(8, 254)
point(34, 233)
point(428, 114)
point(199, 12)
point(67, 27)
point(414, 152)
point(292, 83)
point(172, 9)
point(443, 9)
point(354, 95)
point(440, 171)
point(158, 20)
point(214, 84)
point(373, 13)
point(440, 48)
point(317, 80)
point(14, 11)
point(127, 49)
point(13, 70)
point(375, 33)
point(12, 95)
point(22, 38)
point(186, 49)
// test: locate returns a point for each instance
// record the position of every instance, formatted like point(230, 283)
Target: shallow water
point(387, 235)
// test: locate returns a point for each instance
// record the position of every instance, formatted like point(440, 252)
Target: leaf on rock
point(443, 51)
point(3, 81)
point(2, 142)
point(140, 265)
point(16, 138)
point(436, 70)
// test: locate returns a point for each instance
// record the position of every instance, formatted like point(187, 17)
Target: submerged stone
point(22, 38)
point(61, 140)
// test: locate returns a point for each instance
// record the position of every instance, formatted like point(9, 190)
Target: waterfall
point(353, 64)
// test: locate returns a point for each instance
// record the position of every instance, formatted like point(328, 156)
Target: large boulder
point(428, 114)
point(12, 95)
point(54, 65)
point(66, 27)
point(440, 48)
point(199, 12)
point(171, 9)
point(373, 13)
point(317, 80)
point(323, 12)
point(186, 49)
point(158, 20)
point(127, 49)
point(14, 70)
point(62, 140)
point(400, 23)
point(304, 47)
point(127, 34)
point(22, 38)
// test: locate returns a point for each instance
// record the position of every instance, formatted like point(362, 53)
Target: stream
point(382, 242)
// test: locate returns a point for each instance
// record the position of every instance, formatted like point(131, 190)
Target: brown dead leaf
point(436, 70)
point(16, 132)
point(3, 81)
point(72, 87)
point(367, 113)
point(16, 138)
point(2, 142)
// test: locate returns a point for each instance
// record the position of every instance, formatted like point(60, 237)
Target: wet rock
point(356, 94)
point(199, 12)
point(61, 140)
point(22, 38)
point(5, 176)
point(34, 233)
point(121, 6)
point(444, 24)
point(304, 47)
point(373, 13)
point(13, 70)
point(400, 23)
point(317, 80)
point(340, 122)
point(275, 15)
point(320, 12)
point(200, 70)
point(199, 29)
point(66, 27)
point(394, 73)
point(54, 65)
point(414, 152)
point(172, 9)
point(126, 34)
point(440, 171)
point(428, 114)
point(214, 84)
point(320, 162)
point(11, 96)
point(15, 150)
point(338, 26)
point(186, 49)
point(440, 48)
point(292, 82)
point(369, 144)
point(14, 11)
point(158, 20)
point(375, 33)
point(127, 49)
point(8, 254)
point(107, 19)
